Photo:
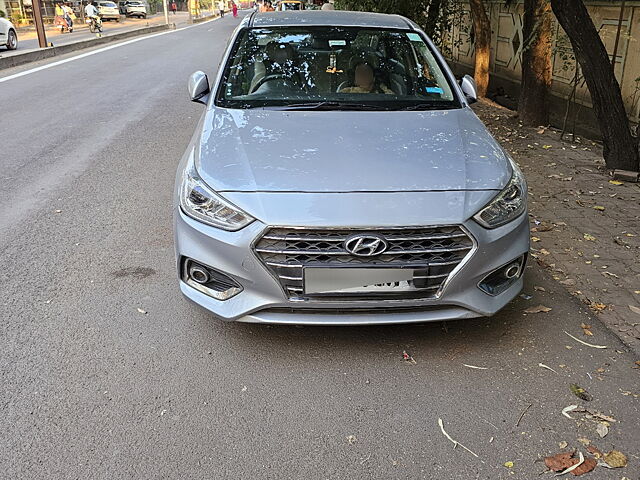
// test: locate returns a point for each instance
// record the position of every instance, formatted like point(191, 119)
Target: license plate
point(357, 280)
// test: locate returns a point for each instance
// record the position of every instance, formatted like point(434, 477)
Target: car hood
point(261, 150)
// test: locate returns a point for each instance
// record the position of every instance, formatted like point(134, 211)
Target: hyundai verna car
point(338, 176)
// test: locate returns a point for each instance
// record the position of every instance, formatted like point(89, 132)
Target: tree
point(533, 106)
point(482, 32)
point(434, 16)
point(620, 150)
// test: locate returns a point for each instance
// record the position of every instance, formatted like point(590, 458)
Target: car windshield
point(333, 68)
point(108, 4)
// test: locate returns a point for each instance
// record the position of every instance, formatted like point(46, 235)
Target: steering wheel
point(268, 78)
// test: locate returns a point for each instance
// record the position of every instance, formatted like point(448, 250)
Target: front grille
point(432, 253)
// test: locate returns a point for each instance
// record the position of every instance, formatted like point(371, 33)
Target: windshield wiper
point(331, 106)
point(428, 106)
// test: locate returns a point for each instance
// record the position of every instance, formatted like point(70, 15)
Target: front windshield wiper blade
point(428, 106)
point(331, 106)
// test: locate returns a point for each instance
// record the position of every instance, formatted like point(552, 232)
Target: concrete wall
point(506, 49)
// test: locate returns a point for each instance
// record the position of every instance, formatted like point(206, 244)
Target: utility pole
point(37, 20)
point(166, 15)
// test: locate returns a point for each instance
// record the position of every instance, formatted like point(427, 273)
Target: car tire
point(12, 40)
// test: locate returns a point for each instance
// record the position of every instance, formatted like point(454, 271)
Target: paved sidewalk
point(585, 228)
point(28, 39)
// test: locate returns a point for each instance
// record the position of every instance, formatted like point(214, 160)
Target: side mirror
point(199, 87)
point(468, 85)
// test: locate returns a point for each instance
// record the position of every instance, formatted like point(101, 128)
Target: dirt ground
point(585, 226)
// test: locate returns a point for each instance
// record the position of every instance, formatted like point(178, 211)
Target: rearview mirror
point(199, 87)
point(468, 85)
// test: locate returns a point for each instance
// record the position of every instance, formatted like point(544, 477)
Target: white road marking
point(100, 50)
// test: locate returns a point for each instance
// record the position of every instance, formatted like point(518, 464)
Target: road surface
point(91, 387)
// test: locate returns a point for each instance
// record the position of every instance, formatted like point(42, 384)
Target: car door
point(4, 31)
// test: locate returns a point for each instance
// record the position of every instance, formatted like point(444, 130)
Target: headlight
point(508, 205)
point(199, 201)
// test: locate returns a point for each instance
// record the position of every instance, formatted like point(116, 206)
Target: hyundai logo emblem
point(365, 245)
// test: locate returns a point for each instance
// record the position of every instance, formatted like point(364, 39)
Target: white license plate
point(357, 280)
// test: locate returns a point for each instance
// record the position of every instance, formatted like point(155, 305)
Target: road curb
point(204, 19)
point(41, 54)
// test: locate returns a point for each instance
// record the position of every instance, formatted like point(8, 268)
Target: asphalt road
point(92, 388)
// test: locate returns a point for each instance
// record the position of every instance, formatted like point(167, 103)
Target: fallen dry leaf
point(508, 464)
point(589, 237)
point(597, 307)
point(562, 444)
point(602, 430)
point(593, 450)
point(584, 441)
point(140, 310)
point(585, 467)
point(615, 459)
point(537, 309)
point(600, 208)
point(634, 309)
point(586, 329)
point(616, 182)
point(580, 392)
point(560, 461)
point(544, 227)
point(542, 289)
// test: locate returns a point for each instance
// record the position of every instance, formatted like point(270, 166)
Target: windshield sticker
point(414, 37)
point(337, 43)
point(435, 90)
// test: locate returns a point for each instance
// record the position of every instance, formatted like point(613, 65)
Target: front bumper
point(262, 299)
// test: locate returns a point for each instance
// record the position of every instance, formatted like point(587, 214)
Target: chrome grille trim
point(434, 253)
point(388, 252)
point(342, 239)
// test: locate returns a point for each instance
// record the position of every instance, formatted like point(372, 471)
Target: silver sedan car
point(338, 176)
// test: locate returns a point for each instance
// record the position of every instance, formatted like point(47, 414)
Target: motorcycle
point(95, 24)
point(63, 23)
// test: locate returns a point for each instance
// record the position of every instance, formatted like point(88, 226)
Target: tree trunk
point(620, 151)
point(433, 16)
point(482, 30)
point(533, 108)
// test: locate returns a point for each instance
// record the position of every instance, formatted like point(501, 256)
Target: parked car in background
point(135, 9)
point(286, 5)
point(108, 10)
point(8, 35)
point(392, 203)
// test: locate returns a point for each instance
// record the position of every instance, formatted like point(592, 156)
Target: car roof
point(331, 18)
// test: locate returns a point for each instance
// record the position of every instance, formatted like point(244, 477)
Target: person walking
point(174, 7)
point(235, 10)
point(221, 8)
